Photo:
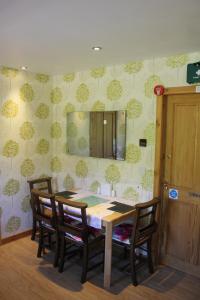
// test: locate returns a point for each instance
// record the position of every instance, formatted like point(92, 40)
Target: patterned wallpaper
point(25, 143)
point(118, 87)
point(78, 128)
point(33, 110)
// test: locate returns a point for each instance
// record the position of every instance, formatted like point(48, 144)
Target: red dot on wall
point(159, 90)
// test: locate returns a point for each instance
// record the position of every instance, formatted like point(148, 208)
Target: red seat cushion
point(122, 233)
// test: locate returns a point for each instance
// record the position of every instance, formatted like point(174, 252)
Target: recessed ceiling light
point(96, 48)
point(23, 68)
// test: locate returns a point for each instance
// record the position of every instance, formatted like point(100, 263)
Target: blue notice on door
point(173, 194)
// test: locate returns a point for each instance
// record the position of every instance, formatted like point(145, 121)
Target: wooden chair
point(139, 235)
point(45, 213)
point(42, 184)
point(73, 229)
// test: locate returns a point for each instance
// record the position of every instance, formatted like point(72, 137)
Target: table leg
point(108, 254)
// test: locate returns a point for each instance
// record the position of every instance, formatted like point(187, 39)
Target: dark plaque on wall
point(193, 73)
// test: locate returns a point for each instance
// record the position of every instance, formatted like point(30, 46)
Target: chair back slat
point(149, 213)
point(145, 224)
point(44, 211)
point(43, 183)
point(44, 188)
point(72, 214)
point(72, 217)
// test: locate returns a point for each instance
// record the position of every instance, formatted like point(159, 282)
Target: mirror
point(97, 134)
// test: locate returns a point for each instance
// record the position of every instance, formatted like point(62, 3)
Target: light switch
point(142, 142)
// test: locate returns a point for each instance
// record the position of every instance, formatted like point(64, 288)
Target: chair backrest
point(145, 222)
point(42, 184)
point(44, 207)
point(72, 217)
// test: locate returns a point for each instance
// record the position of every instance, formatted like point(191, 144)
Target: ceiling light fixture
point(96, 48)
point(23, 68)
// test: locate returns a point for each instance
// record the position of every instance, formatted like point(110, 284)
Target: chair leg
point(81, 252)
point(34, 229)
point(56, 257)
point(133, 267)
point(62, 253)
point(103, 265)
point(125, 252)
point(149, 253)
point(41, 242)
point(85, 263)
point(49, 240)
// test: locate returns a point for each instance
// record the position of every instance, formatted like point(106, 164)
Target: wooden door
point(182, 173)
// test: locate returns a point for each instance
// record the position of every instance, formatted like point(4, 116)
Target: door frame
point(161, 114)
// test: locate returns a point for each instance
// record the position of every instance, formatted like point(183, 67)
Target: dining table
point(103, 212)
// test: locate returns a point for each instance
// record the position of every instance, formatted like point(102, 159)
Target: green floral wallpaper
point(33, 109)
point(78, 133)
point(25, 120)
point(121, 87)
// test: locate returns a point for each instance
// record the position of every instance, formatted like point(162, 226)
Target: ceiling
point(56, 36)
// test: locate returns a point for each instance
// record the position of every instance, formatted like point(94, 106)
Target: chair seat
point(122, 233)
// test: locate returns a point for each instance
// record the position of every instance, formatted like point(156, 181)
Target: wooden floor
point(25, 277)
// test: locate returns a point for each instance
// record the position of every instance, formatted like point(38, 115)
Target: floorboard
point(24, 276)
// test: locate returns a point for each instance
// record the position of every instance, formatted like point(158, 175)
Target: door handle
point(165, 186)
